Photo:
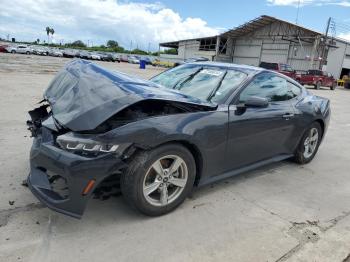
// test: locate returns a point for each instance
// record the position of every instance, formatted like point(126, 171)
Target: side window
point(293, 89)
point(231, 81)
point(269, 86)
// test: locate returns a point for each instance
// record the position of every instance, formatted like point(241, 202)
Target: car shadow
point(116, 211)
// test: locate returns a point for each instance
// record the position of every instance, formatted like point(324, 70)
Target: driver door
point(259, 133)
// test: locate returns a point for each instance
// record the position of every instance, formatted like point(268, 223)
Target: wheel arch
point(197, 155)
point(194, 150)
point(322, 124)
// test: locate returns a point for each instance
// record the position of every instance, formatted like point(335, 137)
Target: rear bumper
point(48, 161)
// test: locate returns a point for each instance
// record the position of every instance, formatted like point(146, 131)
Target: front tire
point(159, 180)
point(333, 86)
point(309, 144)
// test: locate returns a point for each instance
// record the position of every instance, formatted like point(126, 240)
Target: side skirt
point(244, 169)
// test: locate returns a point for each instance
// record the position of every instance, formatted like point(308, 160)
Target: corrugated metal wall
point(274, 51)
point(188, 49)
point(247, 51)
point(261, 48)
point(346, 63)
point(337, 58)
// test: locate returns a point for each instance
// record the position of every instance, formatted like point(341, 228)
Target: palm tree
point(48, 30)
point(52, 31)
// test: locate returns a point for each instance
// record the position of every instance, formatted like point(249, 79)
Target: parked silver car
point(39, 50)
point(55, 52)
point(133, 60)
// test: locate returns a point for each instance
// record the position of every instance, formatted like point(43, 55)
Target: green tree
point(112, 43)
point(170, 51)
point(78, 43)
point(139, 52)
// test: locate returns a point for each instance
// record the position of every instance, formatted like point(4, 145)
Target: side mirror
point(256, 101)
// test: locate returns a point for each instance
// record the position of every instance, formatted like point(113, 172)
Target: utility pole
point(149, 44)
point(313, 52)
point(297, 18)
point(325, 43)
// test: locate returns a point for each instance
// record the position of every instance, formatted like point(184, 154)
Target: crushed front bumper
point(49, 163)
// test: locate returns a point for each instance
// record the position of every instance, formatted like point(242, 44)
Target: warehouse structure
point(268, 39)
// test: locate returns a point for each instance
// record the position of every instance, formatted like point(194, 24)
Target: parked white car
point(21, 49)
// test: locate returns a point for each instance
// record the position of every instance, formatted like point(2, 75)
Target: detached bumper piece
point(64, 181)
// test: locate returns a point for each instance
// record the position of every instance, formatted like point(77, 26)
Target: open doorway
point(345, 71)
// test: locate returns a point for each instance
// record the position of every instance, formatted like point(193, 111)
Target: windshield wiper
point(212, 93)
point(190, 77)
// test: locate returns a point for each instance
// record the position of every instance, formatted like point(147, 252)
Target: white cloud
point(345, 36)
point(98, 21)
point(289, 2)
point(295, 3)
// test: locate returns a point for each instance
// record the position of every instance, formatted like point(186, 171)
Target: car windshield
point(204, 82)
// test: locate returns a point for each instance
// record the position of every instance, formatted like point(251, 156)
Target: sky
point(143, 24)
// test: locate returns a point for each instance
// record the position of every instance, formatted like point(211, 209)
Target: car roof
point(246, 68)
point(250, 70)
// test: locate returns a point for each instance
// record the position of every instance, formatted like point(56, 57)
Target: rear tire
point(318, 85)
point(150, 189)
point(308, 147)
point(13, 52)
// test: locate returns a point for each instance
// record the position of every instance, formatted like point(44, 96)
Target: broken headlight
point(87, 146)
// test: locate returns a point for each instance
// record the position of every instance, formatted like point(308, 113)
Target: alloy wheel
point(165, 180)
point(310, 142)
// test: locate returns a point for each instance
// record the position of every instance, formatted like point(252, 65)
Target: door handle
point(288, 115)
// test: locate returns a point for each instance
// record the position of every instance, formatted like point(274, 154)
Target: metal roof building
point(269, 39)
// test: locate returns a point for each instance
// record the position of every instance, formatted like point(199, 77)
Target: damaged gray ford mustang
point(188, 126)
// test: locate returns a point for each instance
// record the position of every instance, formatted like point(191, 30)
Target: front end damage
point(64, 180)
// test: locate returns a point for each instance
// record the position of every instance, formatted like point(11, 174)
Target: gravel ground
point(282, 212)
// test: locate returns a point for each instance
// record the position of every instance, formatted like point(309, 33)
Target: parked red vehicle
point(3, 48)
point(317, 78)
point(279, 67)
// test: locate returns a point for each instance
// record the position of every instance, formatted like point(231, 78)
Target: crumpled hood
point(84, 95)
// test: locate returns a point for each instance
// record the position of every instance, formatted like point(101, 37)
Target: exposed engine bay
point(145, 109)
